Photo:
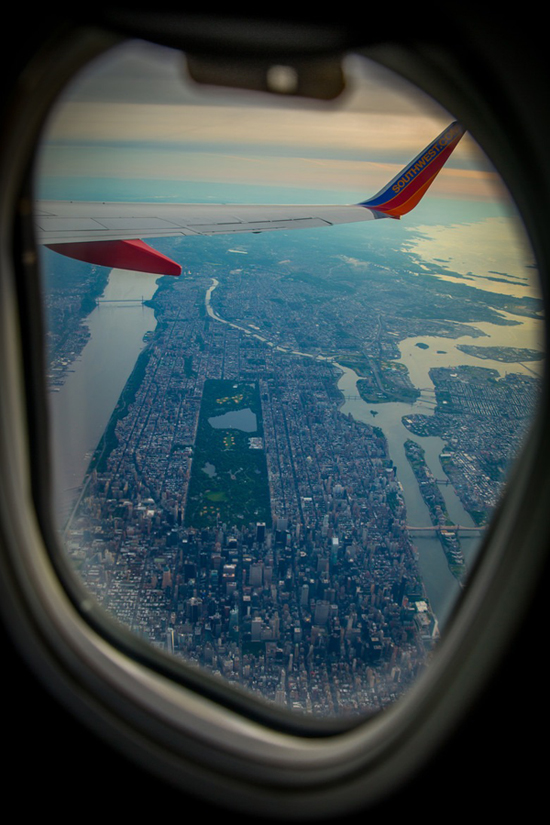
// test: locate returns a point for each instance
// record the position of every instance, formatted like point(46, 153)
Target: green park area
point(229, 481)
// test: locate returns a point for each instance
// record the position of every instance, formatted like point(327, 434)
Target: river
point(441, 586)
point(80, 410)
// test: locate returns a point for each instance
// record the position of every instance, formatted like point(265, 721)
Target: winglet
point(130, 254)
point(402, 193)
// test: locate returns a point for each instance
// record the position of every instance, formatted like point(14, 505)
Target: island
point(507, 355)
point(446, 530)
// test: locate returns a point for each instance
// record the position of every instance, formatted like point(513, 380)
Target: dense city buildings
point(233, 516)
point(314, 601)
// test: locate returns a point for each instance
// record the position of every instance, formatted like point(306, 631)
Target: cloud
point(112, 123)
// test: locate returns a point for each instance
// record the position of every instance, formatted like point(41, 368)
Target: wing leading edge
point(111, 234)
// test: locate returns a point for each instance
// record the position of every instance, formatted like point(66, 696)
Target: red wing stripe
point(120, 255)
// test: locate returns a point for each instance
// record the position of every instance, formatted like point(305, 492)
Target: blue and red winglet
point(402, 193)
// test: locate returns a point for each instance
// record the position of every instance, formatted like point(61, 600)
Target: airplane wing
point(112, 234)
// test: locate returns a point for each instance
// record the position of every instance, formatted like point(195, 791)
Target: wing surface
point(59, 222)
point(108, 233)
point(112, 234)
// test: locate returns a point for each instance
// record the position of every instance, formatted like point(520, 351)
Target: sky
point(135, 115)
point(133, 126)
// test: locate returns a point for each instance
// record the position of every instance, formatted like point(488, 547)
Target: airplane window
point(278, 466)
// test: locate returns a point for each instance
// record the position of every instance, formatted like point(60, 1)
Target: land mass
point(483, 420)
point(276, 554)
point(508, 355)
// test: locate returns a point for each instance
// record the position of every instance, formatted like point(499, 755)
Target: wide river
point(82, 407)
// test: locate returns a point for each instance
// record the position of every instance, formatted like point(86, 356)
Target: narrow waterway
point(441, 586)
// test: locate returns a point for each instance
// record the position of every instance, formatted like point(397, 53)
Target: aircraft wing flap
point(259, 226)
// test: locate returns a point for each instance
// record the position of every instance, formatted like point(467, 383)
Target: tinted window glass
point(280, 465)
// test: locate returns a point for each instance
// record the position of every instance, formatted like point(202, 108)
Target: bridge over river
point(448, 529)
point(120, 301)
